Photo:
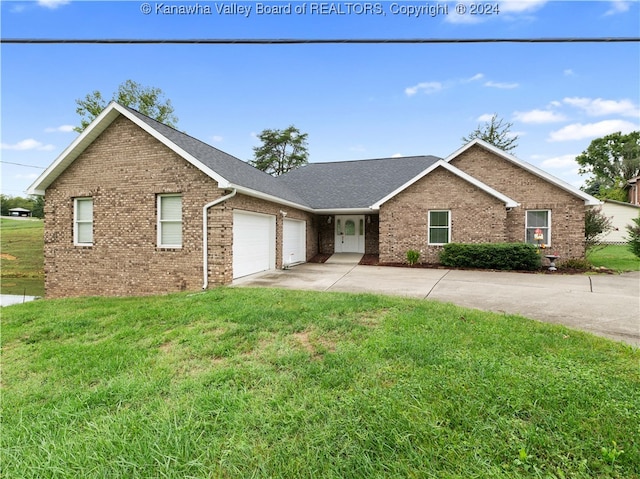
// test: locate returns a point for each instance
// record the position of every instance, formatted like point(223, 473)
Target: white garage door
point(254, 240)
point(294, 245)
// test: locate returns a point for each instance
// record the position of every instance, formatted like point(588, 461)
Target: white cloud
point(485, 117)
point(357, 148)
point(560, 162)
point(600, 107)
point(618, 6)
point(397, 155)
point(538, 116)
point(578, 131)
point(568, 72)
point(28, 144)
point(501, 85)
point(216, 138)
point(52, 4)
point(61, 128)
point(476, 77)
point(425, 87)
point(29, 176)
point(518, 6)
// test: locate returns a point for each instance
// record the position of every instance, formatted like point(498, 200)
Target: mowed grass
point(22, 259)
point(266, 383)
point(616, 257)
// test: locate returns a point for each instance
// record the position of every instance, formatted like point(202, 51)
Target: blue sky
point(354, 101)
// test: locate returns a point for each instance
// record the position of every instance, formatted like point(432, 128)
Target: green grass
point(22, 246)
point(267, 383)
point(616, 257)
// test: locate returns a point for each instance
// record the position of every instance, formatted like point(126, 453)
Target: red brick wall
point(532, 192)
point(476, 217)
point(124, 170)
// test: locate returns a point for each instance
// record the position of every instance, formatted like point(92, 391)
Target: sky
point(355, 101)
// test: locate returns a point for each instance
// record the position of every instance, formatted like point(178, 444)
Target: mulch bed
point(373, 260)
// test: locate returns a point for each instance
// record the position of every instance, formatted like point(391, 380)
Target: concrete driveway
point(607, 305)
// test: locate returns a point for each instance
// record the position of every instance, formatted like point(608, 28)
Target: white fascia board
point(588, 199)
point(97, 126)
point(344, 211)
point(509, 203)
point(264, 196)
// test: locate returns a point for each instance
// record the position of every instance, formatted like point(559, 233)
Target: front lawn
point(616, 257)
point(267, 383)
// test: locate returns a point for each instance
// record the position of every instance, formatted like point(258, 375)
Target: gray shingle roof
point(229, 167)
point(353, 184)
point(334, 185)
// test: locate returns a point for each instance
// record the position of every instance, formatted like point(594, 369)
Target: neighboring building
point(621, 215)
point(133, 206)
point(20, 212)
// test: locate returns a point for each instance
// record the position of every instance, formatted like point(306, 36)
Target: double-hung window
point(538, 227)
point(170, 221)
point(83, 221)
point(439, 227)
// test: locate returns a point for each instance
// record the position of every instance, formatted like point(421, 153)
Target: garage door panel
point(294, 241)
point(253, 243)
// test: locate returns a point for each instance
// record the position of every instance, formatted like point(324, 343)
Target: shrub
point(505, 256)
point(575, 263)
point(412, 257)
point(633, 240)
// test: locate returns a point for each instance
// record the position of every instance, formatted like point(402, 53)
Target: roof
point(621, 203)
point(353, 184)
point(588, 199)
point(348, 186)
point(20, 210)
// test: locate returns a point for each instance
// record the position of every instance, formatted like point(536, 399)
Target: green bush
point(413, 256)
point(506, 256)
point(633, 240)
point(575, 263)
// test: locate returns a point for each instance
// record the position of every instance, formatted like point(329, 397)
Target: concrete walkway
point(607, 305)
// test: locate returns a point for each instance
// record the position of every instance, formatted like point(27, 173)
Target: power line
point(21, 164)
point(293, 41)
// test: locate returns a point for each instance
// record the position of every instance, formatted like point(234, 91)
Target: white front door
point(349, 234)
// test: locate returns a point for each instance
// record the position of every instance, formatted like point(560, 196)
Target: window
point(439, 227)
point(538, 220)
point(83, 221)
point(170, 221)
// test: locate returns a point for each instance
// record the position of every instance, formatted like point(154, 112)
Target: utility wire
point(291, 41)
point(20, 164)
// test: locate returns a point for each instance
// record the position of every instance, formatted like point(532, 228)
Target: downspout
point(205, 239)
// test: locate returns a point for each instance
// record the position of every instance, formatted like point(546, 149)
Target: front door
point(349, 234)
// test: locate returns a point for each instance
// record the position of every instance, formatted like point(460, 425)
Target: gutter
point(205, 246)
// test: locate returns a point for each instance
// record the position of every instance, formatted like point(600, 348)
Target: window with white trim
point(170, 221)
point(538, 227)
point(439, 227)
point(83, 221)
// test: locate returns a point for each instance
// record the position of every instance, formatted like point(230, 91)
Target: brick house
point(134, 207)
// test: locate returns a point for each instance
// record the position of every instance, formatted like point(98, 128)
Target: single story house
point(134, 207)
point(621, 215)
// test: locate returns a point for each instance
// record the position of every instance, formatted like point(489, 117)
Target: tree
point(596, 226)
point(497, 132)
point(281, 151)
point(147, 100)
point(611, 160)
point(633, 240)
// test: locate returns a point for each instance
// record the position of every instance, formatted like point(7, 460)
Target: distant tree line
point(33, 202)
